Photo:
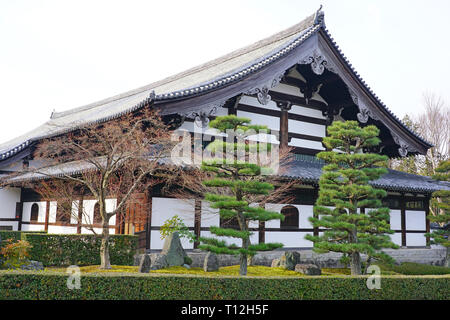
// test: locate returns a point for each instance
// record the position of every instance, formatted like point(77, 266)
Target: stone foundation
point(431, 256)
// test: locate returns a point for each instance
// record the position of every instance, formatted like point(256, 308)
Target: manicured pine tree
point(344, 188)
point(241, 180)
point(441, 201)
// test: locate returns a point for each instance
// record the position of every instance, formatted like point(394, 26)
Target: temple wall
point(8, 199)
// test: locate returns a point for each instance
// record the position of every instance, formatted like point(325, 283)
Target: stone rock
point(275, 263)
point(290, 259)
point(159, 262)
point(308, 269)
point(211, 262)
point(186, 266)
point(145, 263)
point(33, 265)
point(173, 250)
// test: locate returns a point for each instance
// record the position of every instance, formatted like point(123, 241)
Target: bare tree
point(433, 124)
point(116, 159)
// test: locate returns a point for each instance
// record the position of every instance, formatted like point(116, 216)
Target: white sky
point(64, 54)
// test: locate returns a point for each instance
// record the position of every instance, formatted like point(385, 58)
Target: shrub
point(15, 253)
point(34, 285)
point(411, 268)
point(79, 249)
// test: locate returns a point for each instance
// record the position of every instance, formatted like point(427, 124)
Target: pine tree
point(441, 201)
point(241, 179)
point(344, 188)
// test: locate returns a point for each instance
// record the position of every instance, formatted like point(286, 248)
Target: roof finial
point(319, 16)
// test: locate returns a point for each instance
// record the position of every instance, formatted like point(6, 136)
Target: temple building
point(296, 82)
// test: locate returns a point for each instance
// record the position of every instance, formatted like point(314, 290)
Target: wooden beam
point(47, 215)
point(403, 219)
point(427, 221)
point(80, 215)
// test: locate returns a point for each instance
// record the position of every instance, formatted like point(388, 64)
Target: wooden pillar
point(19, 215)
point(47, 215)
point(316, 195)
point(80, 215)
point(403, 219)
point(427, 221)
point(148, 225)
point(262, 232)
point(197, 221)
point(284, 106)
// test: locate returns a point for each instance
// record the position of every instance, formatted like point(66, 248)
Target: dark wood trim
point(9, 219)
point(19, 214)
point(277, 114)
point(284, 128)
point(47, 215)
point(197, 221)
point(403, 220)
point(304, 137)
point(427, 221)
point(148, 225)
point(298, 101)
point(80, 215)
point(62, 224)
point(262, 232)
point(306, 151)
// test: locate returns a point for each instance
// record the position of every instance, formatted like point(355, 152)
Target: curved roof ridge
point(298, 27)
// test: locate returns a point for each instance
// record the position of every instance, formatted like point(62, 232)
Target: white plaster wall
point(13, 224)
point(395, 220)
point(88, 210)
point(210, 217)
point(33, 227)
point(415, 239)
point(52, 212)
point(229, 240)
point(26, 213)
point(97, 231)
point(166, 208)
point(316, 145)
point(8, 199)
point(304, 211)
point(301, 127)
point(396, 238)
point(252, 101)
point(273, 123)
point(157, 243)
point(289, 239)
point(415, 220)
point(295, 109)
point(61, 230)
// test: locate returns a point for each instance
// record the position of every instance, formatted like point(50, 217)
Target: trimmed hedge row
point(75, 249)
point(79, 249)
point(42, 286)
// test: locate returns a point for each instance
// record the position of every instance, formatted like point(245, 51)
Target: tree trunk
point(355, 264)
point(104, 248)
point(244, 258)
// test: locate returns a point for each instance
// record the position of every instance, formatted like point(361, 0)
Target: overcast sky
point(57, 55)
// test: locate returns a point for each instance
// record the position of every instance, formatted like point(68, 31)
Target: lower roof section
point(309, 171)
point(306, 168)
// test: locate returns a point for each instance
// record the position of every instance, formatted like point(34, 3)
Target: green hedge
point(79, 249)
point(35, 285)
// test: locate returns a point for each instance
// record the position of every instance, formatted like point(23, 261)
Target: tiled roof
point(207, 77)
point(310, 171)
